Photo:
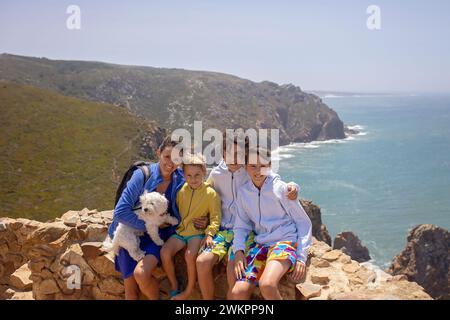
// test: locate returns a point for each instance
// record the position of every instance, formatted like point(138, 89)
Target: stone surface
point(309, 291)
point(350, 244)
point(332, 255)
point(426, 260)
point(55, 250)
point(20, 279)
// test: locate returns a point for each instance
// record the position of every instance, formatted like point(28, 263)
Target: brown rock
point(96, 232)
point(91, 249)
point(319, 230)
point(351, 267)
point(20, 279)
point(320, 277)
point(426, 260)
point(318, 248)
point(27, 295)
point(47, 286)
point(319, 263)
point(100, 295)
point(350, 244)
point(308, 290)
point(112, 285)
point(104, 265)
point(332, 255)
point(70, 218)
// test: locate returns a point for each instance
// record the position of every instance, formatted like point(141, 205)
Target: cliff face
point(43, 261)
point(426, 260)
point(175, 98)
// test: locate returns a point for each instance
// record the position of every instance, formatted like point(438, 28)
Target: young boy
point(195, 199)
point(226, 178)
point(282, 228)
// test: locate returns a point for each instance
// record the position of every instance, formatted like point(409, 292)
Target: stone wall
point(40, 261)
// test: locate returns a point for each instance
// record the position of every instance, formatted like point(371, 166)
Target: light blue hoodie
point(226, 184)
point(271, 216)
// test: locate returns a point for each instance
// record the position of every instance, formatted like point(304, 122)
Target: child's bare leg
point(268, 284)
point(231, 278)
point(205, 265)
point(242, 290)
point(190, 256)
point(168, 252)
point(131, 289)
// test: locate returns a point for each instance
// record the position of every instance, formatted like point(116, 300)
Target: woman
point(165, 178)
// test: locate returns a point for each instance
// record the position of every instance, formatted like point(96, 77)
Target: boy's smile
point(194, 176)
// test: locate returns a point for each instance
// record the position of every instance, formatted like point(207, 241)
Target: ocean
point(380, 183)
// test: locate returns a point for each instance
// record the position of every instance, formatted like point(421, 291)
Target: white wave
point(362, 133)
point(356, 127)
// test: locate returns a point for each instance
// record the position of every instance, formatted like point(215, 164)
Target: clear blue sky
point(313, 44)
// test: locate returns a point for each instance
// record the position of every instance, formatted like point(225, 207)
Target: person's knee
point(267, 286)
point(143, 272)
point(190, 255)
point(239, 292)
point(205, 262)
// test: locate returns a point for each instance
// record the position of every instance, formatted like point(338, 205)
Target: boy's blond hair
point(196, 159)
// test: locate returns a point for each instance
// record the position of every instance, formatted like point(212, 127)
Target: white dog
point(153, 212)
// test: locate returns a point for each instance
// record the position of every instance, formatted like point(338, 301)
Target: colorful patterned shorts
point(258, 255)
point(222, 242)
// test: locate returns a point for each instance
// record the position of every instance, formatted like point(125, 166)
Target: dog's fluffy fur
point(153, 213)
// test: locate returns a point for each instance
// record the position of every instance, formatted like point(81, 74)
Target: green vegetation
point(59, 153)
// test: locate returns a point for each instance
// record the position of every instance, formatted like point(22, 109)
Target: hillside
point(175, 97)
point(59, 152)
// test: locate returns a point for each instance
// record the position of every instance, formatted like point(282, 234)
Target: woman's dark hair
point(168, 142)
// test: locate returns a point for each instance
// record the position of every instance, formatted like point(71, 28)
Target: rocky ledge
point(48, 260)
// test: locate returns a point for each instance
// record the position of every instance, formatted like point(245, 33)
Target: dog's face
point(153, 203)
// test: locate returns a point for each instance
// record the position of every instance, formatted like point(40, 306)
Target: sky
point(314, 44)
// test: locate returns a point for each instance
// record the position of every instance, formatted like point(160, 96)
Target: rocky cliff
point(426, 260)
point(175, 97)
point(43, 261)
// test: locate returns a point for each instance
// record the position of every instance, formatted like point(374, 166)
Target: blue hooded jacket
point(129, 199)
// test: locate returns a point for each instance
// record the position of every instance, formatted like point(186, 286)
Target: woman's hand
point(240, 264)
point(201, 223)
point(299, 271)
point(292, 191)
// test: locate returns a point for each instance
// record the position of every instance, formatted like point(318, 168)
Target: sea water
point(379, 183)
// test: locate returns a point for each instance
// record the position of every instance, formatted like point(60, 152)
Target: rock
point(332, 255)
point(308, 290)
point(426, 260)
point(98, 294)
point(70, 218)
point(320, 277)
point(45, 287)
point(319, 263)
point(112, 285)
point(319, 230)
point(351, 267)
point(350, 244)
point(20, 279)
point(96, 232)
point(27, 295)
point(318, 248)
point(104, 265)
point(91, 249)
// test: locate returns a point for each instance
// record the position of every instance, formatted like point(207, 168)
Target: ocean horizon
point(391, 176)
